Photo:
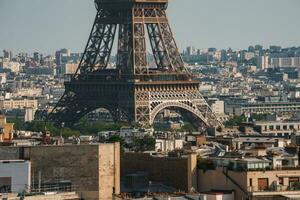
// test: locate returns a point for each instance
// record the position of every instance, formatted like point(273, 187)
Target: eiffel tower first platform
point(132, 91)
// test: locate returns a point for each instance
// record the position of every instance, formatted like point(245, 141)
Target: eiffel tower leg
point(69, 110)
point(99, 45)
point(96, 57)
point(158, 48)
point(139, 42)
point(163, 44)
point(124, 57)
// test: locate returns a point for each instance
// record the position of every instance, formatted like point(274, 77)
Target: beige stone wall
point(8, 132)
point(216, 180)
point(177, 172)
point(109, 174)
point(93, 169)
point(25, 103)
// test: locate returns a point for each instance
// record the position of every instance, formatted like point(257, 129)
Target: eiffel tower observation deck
point(132, 91)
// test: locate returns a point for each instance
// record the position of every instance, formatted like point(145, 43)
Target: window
point(5, 183)
point(280, 180)
point(250, 182)
point(263, 183)
point(292, 181)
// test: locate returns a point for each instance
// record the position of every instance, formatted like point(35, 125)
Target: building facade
point(93, 170)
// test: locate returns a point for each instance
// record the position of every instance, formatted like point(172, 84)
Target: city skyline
point(232, 24)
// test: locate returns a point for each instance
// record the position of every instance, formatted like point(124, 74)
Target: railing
point(269, 168)
point(53, 188)
point(115, 75)
point(273, 188)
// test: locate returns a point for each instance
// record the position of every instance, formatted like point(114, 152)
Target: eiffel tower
point(132, 91)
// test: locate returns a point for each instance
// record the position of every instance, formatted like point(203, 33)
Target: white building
point(218, 107)
point(263, 62)
point(69, 68)
point(13, 66)
point(28, 92)
point(29, 114)
point(285, 62)
point(249, 55)
point(167, 145)
point(18, 103)
point(15, 175)
point(2, 78)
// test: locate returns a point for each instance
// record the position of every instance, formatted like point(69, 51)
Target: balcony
point(275, 190)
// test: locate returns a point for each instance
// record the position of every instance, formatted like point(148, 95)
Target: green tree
point(116, 138)
point(18, 124)
point(236, 120)
point(147, 143)
point(258, 117)
point(188, 127)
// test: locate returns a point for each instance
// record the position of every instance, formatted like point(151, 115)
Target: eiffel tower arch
point(132, 91)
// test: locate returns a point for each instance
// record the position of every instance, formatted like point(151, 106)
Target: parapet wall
point(178, 172)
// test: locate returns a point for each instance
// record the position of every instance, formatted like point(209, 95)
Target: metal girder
point(159, 50)
point(124, 56)
point(163, 44)
point(69, 110)
point(139, 43)
point(99, 46)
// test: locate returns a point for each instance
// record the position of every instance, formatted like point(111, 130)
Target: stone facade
point(94, 170)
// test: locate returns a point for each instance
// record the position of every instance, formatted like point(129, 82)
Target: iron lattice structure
point(131, 91)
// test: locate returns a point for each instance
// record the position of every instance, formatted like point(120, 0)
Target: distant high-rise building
point(275, 49)
point(258, 47)
point(66, 52)
point(220, 55)
point(246, 55)
point(191, 51)
point(212, 49)
point(251, 49)
point(62, 57)
point(285, 62)
point(7, 54)
point(37, 57)
point(263, 62)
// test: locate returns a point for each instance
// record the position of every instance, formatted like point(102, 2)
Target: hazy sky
point(48, 25)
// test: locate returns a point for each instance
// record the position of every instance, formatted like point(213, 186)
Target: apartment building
point(18, 103)
point(261, 107)
point(256, 183)
point(277, 128)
